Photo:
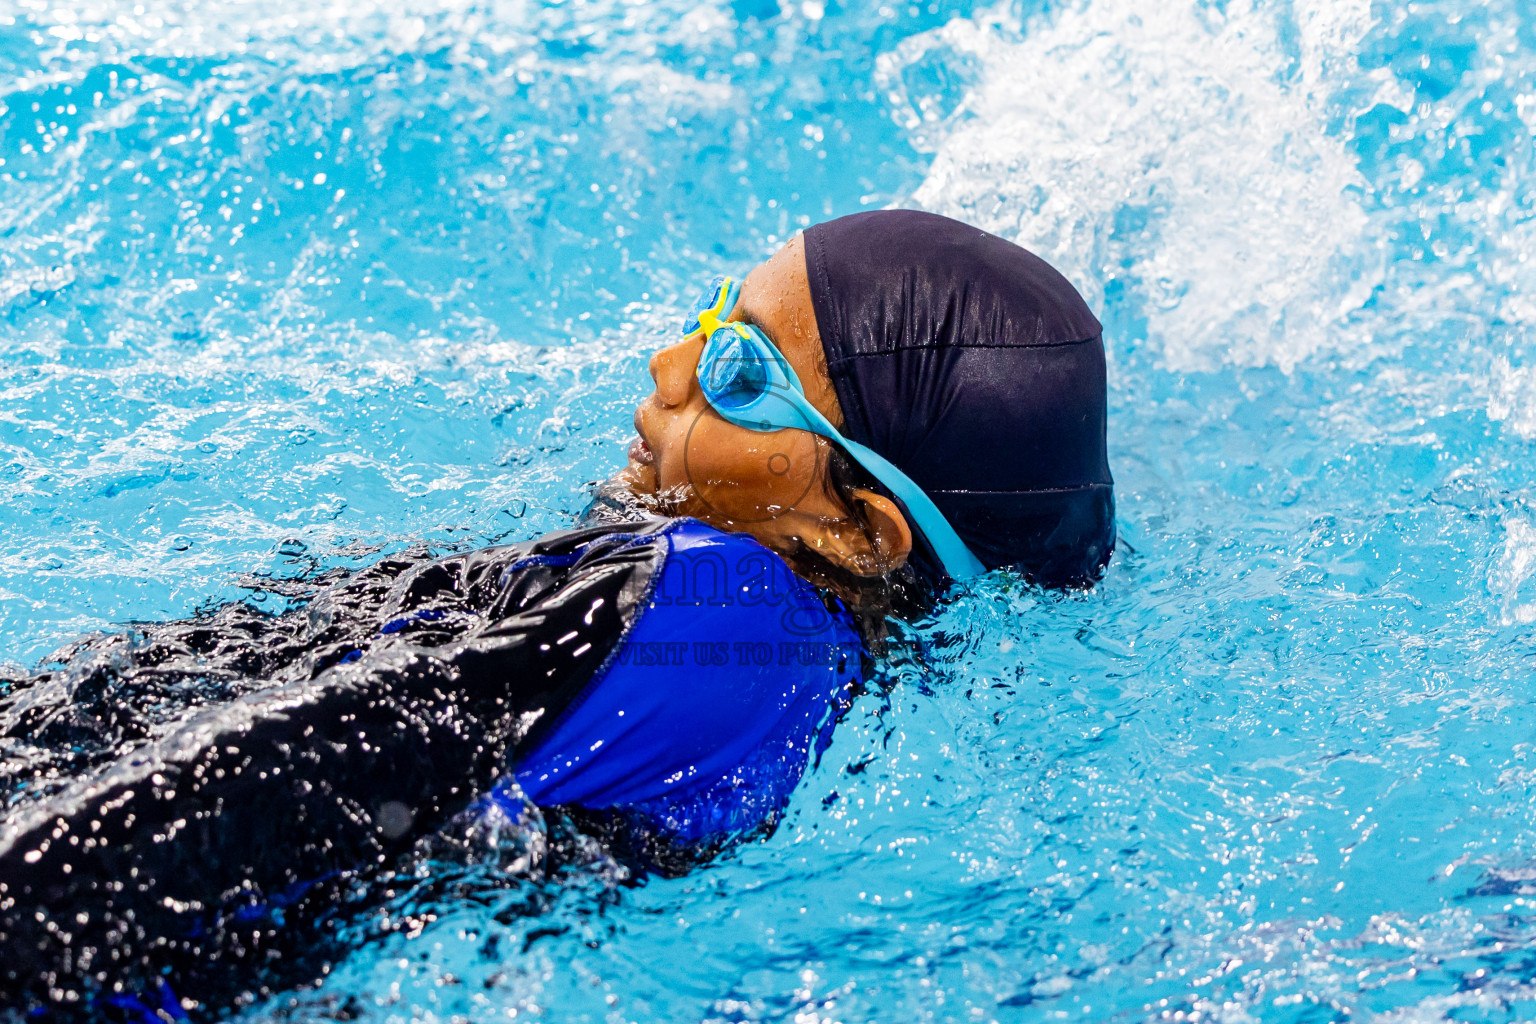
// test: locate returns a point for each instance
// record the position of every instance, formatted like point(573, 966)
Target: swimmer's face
point(688, 460)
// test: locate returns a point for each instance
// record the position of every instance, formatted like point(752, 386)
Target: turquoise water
point(286, 288)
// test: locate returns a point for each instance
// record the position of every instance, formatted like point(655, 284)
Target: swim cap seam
point(1109, 485)
point(926, 346)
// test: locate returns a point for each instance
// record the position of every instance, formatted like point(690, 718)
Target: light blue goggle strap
point(782, 385)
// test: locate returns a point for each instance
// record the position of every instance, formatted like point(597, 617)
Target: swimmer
point(950, 390)
point(894, 400)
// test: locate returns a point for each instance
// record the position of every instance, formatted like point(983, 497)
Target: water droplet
point(395, 819)
point(292, 547)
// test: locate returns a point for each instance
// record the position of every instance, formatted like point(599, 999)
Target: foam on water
point(1167, 151)
point(1512, 396)
point(1511, 577)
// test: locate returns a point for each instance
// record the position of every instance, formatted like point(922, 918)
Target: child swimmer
point(967, 362)
point(893, 396)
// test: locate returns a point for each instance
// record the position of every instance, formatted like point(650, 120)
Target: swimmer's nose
point(673, 370)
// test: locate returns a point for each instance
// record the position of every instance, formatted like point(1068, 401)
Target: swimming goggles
point(750, 383)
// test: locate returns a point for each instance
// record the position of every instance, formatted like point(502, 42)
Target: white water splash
point(1512, 397)
point(1168, 146)
point(1513, 576)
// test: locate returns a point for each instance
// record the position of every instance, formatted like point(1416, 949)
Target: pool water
point(283, 287)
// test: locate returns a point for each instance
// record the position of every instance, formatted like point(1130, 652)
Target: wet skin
point(688, 460)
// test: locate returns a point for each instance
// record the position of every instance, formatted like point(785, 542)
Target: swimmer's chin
point(641, 481)
point(638, 479)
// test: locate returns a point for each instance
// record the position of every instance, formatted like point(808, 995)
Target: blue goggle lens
point(705, 301)
point(734, 374)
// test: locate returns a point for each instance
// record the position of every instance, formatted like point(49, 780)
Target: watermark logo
point(757, 580)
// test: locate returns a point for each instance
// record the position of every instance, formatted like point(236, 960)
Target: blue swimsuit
point(703, 716)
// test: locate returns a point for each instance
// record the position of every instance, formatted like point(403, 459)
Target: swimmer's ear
point(890, 537)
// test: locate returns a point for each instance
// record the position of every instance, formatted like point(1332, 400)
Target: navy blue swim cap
point(976, 368)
